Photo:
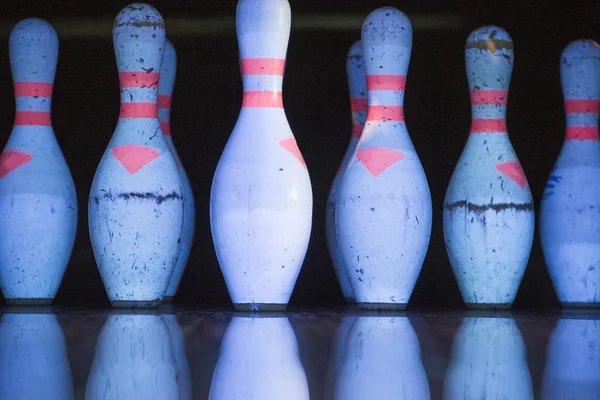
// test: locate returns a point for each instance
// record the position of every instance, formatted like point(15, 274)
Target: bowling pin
point(165, 90)
point(33, 358)
point(38, 202)
point(261, 196)
point(570, 207)
point(259, 359)
point(488, 209)
point(383, 209)
point(489, 361)
point(382, 361)
point(136, 199)
point(572, 370)
point(134, 360)
point(358, 104)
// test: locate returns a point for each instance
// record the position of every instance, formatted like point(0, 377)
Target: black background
point(207, 100)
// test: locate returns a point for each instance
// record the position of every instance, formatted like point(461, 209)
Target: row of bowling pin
point(141, 356)
point(379, 208)
point(141, 213)
point(137, 212)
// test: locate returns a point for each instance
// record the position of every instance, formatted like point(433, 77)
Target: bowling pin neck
point(263, 81)
point(580, 80)
point(385, 98)
point(139, 94)
point(489, 59)
point(358, 106)
point(33, 52)
point(488, 111)
point(166, 86)
point(357, 86)
point(139, 42)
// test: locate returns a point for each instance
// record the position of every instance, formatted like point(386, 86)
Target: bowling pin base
point(136, 304)
point(255, 307)
point(29, 302)
point(383, 306)
point(580, 305)
point(168, 299)
point(488, 306)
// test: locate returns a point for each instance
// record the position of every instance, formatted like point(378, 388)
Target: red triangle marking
point(290, 145)
point(13, 159)
point(134, 157)
point(514, 171)
point(378, 160)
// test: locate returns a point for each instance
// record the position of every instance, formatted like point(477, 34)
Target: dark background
point(207, 100)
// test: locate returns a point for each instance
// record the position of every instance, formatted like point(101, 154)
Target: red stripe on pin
point(386, 82)
point(582, 106)
point(164, 101)
point(32, 118)
point(385, 113)
point(582, 133)
point(489, 97)
point(490, 125)
point(358, 104)
point(263, 66)
point(262, 100)
point(356, 131)
point(139, 79)
point(138, 110)
point(33, 89)
point(165, 126)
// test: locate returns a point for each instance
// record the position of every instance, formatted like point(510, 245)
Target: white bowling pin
point(259, 360)
point(488, 209)
point(572, 370)
point(134, 360)
point(357, 85)
point(383, 361)
point(165, 91)
point(489, 362)
point(570, 207)
point(33, 358)
point(261, 197)
point(38, 202)
point(383, 211)
point(136, 199)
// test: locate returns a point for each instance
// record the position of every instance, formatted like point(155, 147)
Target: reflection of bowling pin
point(165, 91)
point(383, 211)
point(259, 360)
point(134, 360)
point(572, 369)
point(358, 104)
point(488, 362)
point(136, 199)
point(261, 197)
point(382, 361)
point(33, 358)
point(488, 210)
point(179, 352)
point(38, 203)
point(338, 355)
point(570, 208)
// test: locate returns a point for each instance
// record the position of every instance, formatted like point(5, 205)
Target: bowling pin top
point(139, 40)
point(33, 52)
point(580, 79)
point(263, 28)
point(386, 42)
point(168, 71)
point(489, 59)
point(355, 71)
